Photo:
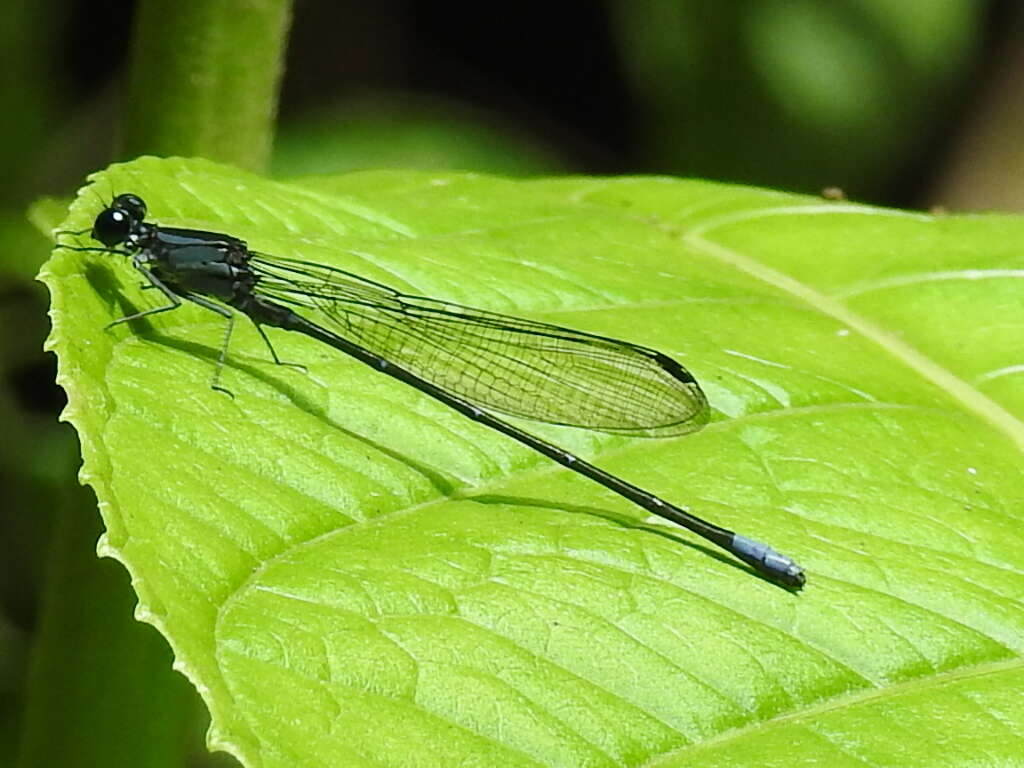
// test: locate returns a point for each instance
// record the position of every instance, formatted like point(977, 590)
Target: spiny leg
point(155, 282)
point(273, 352)
point(90, 249)
point(175, 302)
point(222, 357)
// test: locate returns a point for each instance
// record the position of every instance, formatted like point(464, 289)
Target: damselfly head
point(115, 223)
point(133, 204)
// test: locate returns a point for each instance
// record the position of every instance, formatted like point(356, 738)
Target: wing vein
point(512, 365)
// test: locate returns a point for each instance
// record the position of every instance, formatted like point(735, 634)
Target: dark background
point(794, 94)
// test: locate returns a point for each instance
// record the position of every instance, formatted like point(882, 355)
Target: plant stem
point(204, 79)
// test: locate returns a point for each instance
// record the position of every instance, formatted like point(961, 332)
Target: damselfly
point(472, 360)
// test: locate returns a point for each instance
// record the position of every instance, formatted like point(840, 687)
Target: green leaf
point(352, 574)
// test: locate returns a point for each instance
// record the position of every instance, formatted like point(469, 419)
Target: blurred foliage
point(29, 92)
point(402, 131)
point(796, 93)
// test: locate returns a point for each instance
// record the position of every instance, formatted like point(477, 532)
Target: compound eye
point(112, 226)
point(133, 205)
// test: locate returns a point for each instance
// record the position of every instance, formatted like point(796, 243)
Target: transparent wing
point(503, 363)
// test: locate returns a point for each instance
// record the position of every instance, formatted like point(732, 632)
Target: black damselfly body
point(472, 360)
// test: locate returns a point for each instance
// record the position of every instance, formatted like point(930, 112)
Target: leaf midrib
point(970, 399)
point(852, 699)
